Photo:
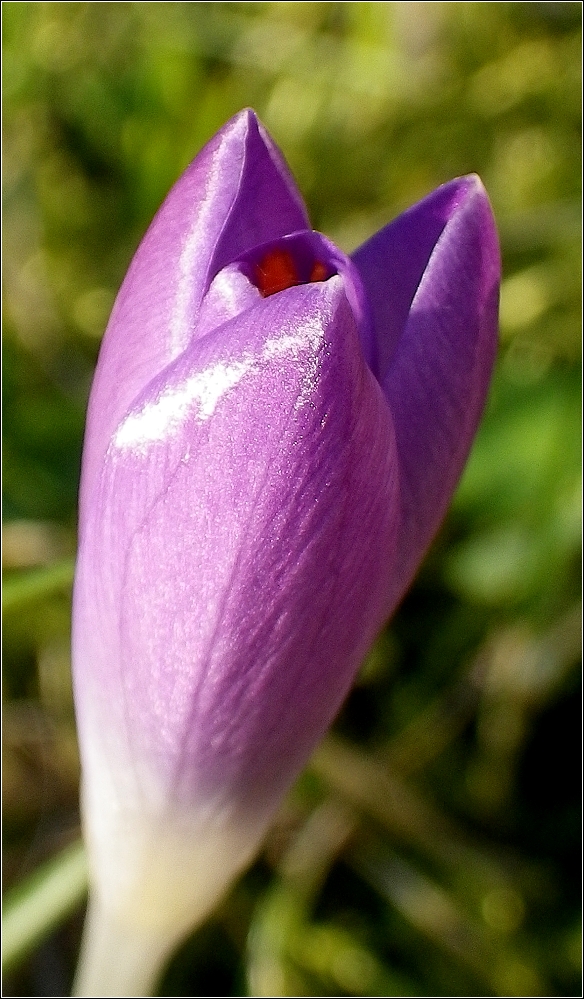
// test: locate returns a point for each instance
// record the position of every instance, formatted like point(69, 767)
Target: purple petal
point(237, 192)
point(236, 557)
point(433, 281)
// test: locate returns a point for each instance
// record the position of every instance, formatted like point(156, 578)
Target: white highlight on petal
point(156, 419)
point(310, 335)
point(192, 252)
point(230, 294)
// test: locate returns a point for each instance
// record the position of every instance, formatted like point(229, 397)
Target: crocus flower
point(274, 433)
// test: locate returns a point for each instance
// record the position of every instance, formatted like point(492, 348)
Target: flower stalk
point(118, 959)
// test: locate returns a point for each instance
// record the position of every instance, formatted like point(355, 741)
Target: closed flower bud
point(273, 436)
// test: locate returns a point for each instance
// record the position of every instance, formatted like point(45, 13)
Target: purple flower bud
point(273, 436)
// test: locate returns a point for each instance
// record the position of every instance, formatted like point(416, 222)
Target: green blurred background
point(433, 845)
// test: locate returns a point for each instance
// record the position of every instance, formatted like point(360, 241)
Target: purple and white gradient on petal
point(273, 436)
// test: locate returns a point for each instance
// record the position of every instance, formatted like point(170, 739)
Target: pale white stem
point(155, 875)
point(117, 959)
point(156, 871)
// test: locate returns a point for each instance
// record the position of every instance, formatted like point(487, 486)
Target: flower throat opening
point(278, 270)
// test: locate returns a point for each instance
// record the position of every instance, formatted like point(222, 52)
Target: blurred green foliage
point(433, 845)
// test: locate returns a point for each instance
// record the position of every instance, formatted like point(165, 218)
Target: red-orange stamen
point(275, 272)
point(319, 272)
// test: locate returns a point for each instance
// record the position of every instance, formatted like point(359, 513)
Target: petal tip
point(471, 201)
point(456, 194)
point(246, 120)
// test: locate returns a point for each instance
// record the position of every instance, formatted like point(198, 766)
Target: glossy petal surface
point(432, 278)
point(274, 433)
point(237, 193)
point(238, 551)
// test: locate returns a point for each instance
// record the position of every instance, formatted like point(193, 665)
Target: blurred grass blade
point(34, 907)
point(20, 590)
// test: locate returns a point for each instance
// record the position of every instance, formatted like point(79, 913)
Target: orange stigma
point(275, 272)
point(319, 272)
point(278, 270)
